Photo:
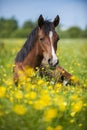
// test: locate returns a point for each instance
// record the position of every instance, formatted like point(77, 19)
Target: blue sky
point(71, 12)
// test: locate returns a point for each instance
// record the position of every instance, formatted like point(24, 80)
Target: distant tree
point(29, 24)
point(7, 26)
point(24, 30)
point(74, 32)
point(84, 33)
point(20, 33)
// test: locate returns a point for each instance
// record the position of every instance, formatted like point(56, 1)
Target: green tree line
point(9, 29)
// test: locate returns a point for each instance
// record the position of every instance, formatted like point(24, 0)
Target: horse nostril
point(53, 63)
point(57, 61)
point(49, 60)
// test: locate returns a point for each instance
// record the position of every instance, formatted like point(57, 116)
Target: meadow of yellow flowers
point(38, 104)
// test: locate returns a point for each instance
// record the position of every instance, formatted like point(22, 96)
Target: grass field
point(39, 104)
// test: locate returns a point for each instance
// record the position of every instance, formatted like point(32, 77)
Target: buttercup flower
point(49, 128)
point(19, 94)
point(2, 91)
point(59, 127)
point(19, 109)
point(76, 107)
point(50, 114)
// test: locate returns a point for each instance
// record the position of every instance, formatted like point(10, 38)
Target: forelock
point(47, 27)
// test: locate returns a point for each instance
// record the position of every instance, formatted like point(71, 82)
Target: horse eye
point(57, 39)
point(42, 39)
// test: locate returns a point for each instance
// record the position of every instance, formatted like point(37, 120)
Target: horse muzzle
point(53, 63)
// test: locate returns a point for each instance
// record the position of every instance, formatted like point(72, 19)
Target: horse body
point(41, 44)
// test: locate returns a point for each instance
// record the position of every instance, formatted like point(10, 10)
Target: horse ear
point(40, 20)
point(56, 21)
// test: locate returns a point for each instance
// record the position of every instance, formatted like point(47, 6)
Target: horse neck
point(33, 59)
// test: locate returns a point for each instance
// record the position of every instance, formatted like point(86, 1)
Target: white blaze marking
point(54, 57)
point(65, 82)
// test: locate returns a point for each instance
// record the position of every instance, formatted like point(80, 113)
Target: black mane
point(27, 46)
point(47, 26)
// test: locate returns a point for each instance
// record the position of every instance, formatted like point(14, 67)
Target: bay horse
point(40, 44)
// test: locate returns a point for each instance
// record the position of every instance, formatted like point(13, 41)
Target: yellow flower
point(40, 81)
point(22, 78)
point(29, 86)
point(49, 128)
point(72, 121)
point(73, 114)
point(11, 99)
point(9, 82)
point(40, 104)
point(74, 97)
point(50, 87)
point(85, 104)
point(50, 114)
point(59, 101)
point(2, 91)
point(43, 102)
point(29, 72)
point(45, 97)
point(19, 109)
point(58, 85)
point(76, 107)
point(30, 102)
point(74, 79)
point(19, 94)
point(80, 125)
point(31, 95)
point(59, 127)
